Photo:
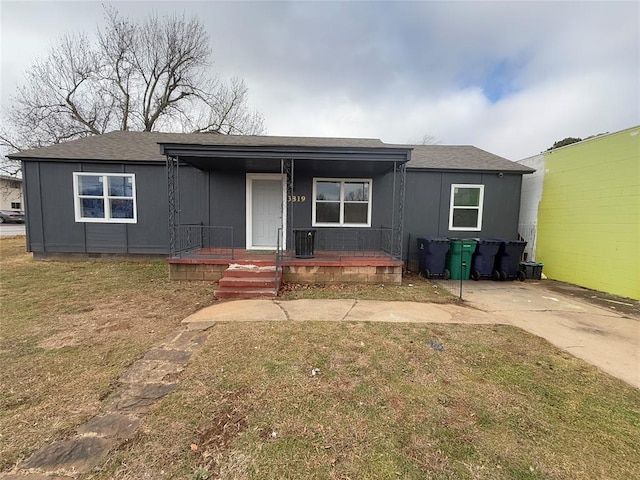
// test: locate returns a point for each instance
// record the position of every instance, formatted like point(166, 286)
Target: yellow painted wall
point(589, 216)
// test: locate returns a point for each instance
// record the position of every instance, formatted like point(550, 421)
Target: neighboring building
point(207, 199)
point(11, 193)
point(580, 212)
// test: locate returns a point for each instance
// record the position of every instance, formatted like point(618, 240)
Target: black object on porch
point(304, 239)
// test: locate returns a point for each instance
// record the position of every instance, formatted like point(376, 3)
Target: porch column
point(400, 228)
point(287, 166)
point(174, 200)
point(397, 227)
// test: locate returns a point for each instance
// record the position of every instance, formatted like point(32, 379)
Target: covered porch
point(213, 225)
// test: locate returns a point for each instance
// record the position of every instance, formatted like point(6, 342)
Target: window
point(15, 205)
point(466, 207)
point(341, 202)
point(104, 197)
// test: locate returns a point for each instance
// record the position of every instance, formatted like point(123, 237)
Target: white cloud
point(396, 70)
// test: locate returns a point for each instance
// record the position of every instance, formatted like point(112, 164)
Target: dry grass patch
point(69, 330)
point(413, 289)
point(390, 401)
point(491, 403)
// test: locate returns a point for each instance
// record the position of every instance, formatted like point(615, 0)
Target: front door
point(265, 210)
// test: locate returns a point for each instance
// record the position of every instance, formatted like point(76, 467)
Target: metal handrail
point(194, 238)
point(355, 239)
point(279, 257)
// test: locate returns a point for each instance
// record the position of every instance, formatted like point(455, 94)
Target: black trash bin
point(304, 240)
point(484, 259)
point(508, 260)
point(432, 255)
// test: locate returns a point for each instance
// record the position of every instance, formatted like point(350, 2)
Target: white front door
point(265, 210)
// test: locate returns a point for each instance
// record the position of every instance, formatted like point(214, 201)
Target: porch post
point(287, 167)
point(392, 251)
point(400, 233)
point(172, 193)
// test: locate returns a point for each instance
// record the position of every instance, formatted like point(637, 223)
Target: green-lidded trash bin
point(459, 258)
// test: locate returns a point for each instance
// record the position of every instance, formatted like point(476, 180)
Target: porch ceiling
point(340, 167)
point(342, 160)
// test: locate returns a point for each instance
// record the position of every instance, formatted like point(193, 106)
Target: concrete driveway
point(599, 335)
point(606, 335)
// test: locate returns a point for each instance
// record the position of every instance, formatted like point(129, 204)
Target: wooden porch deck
point(213, 256)
point(324, 267)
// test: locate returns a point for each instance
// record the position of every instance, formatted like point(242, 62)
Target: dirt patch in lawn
point(414, 288)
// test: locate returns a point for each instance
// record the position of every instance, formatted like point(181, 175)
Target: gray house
point(206, 201)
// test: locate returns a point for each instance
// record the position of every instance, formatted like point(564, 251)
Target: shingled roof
point(121, 146)
point(461, 157)
point(143, 146)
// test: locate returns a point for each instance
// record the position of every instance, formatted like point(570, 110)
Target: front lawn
point(68, 331)
point(388, 401)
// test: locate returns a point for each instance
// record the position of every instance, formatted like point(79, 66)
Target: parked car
point(11, 216)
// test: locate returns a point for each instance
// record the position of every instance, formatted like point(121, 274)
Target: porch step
point(261, 293)
point(249, 281)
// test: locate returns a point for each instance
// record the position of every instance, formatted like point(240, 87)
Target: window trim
point(105, 197)
point(341, 223)
point(479, 208)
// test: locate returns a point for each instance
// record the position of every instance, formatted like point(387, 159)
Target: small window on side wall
point(15, 205)
point(104, 197)
point(465, 212)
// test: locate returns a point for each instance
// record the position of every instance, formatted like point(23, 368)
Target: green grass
point(495, 403)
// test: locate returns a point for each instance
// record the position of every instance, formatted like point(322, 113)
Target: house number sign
point(297, 198)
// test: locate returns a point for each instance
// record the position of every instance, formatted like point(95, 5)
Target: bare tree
point(152, 75)
point(427, 139)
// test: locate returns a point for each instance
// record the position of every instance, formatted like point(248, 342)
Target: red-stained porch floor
point(320, 258)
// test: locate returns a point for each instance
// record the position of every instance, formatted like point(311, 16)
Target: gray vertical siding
point(51, 218)
point(33, 207)
point(301, 212)
point(150, 235)
point(218, 198)
point(60, 231)
point(427, 206)
point(228, 203)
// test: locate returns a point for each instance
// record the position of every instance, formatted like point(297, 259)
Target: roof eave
point(520, 171)
point(400, 155)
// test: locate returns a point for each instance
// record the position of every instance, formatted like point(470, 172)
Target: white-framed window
point(465, 212)
point(104, 197)
point(341, 202)
point(15, 205)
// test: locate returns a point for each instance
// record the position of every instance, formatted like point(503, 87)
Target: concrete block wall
point(343, 274)
point(197, 271)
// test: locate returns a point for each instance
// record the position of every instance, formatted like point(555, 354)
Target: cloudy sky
point(508, 77)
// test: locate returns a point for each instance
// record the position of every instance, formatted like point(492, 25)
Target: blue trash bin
point(484, 259)
point(508, 260)
point(432, 254)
